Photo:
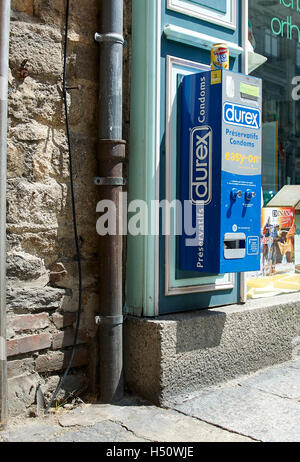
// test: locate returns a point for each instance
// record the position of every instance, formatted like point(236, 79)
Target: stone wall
point(42, 292)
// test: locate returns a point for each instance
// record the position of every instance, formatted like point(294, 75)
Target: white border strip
point(199, 40)
point(200, 12)
point(245, 27)
point(158, 109)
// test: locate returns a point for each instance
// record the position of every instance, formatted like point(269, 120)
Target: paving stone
point(150, 422)
point(30, 433)
point(283, 381)
point(90, 414)
point(248, 411)
point(295, 364)
point(251, 408)
point(103, 432)
point(170, 426)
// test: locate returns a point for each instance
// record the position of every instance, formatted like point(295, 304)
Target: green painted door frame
point(170, 38)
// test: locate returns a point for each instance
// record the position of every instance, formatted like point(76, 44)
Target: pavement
point(264, 406)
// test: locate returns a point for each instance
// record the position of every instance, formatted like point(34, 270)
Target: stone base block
point(175, 355)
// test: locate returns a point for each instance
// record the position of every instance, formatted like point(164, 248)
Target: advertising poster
point(277, 258)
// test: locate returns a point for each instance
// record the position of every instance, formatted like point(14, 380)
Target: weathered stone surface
point(24, 266)
point(23, 300)
point(63, 320)
point(58, 360)
point(70, 303)
point(105, 432)
point(33, 432)
point(27, 344)
point(51, 159)
point(35, 100)
point(281, 381)
point(149, 422)
point(84, 117)
point(19, 367)
point(16, 155)
point(67, 275)
point(30, 131)
point(83, 14)
point(41, 45)
point(29, 322)
point(248, 411)
point(21, 392)
point(57, 274)
point(72, 386)
point(43, 243)
point(33, 207)
point(66, 338)
point(24, 6)
point(86, 53)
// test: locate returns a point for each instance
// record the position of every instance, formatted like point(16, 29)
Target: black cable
point(73, 209)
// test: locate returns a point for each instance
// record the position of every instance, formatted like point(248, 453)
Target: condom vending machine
point(220, 172)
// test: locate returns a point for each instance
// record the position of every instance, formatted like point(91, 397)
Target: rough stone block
point(180, 354)
point(83, 14)
point(23, 6)
point(66, 338)
point(67, 275)
point(43, 243)
point(21, 393)
point(16, 155)
point(33, 207)
point(51, 158)
point(86, 53)
point(74, 383)
point(34, 100)
point(63, 320)
point(24, 266)
point(30, 131)
point(23, 322)
point(19, 367)
point(27, 344)
point(41, 45)
point(22, 300)
point(57, 273)
point(58, 360)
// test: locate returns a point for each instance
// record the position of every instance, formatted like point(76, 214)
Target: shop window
point(275, 29)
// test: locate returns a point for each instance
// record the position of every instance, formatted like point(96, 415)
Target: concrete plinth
point(177, 355)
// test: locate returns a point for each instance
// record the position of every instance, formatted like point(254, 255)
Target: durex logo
point(243, 116)
point(200, 165)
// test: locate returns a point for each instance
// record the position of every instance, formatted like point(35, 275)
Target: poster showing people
point(277, 258)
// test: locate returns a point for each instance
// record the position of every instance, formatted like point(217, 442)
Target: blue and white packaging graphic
point(220, 172)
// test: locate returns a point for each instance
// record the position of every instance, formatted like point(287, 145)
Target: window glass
point(274, 34)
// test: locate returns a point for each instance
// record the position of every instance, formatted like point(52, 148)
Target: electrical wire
point(73, 208)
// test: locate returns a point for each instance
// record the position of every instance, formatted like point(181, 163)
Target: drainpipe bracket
point(109, 181)
point(110, 37)
point(112, 320)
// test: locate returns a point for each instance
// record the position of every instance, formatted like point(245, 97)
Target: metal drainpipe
point(111, 155)
point(4, 48)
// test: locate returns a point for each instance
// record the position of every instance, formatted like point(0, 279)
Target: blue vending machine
point(220, 175)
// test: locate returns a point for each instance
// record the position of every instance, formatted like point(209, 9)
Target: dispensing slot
point(234, 246)
point(248, 91)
